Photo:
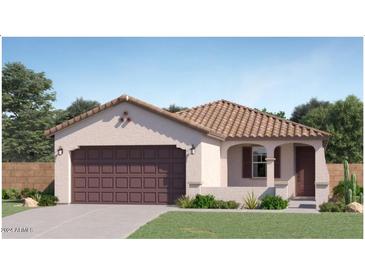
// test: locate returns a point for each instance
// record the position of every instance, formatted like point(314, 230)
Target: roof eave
point(125, 98)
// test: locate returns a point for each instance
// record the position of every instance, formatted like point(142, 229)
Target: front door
point(305, 171)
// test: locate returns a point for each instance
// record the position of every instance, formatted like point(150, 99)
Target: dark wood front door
point(128, 174)
point(305, 171)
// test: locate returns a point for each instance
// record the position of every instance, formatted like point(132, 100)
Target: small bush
point(32, 193)
point(232, 204)
point(251, 202)
point(204, 201)
point(220, 204)
point(47, 200)
point(4, 195)
point(332, 207)
point(11, 194)
point(184, 202)
point(273, 202)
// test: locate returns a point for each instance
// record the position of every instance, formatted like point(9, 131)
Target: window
point(258, 162)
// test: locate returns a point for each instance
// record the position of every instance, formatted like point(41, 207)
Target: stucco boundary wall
point(20, 175)
point(40, 175)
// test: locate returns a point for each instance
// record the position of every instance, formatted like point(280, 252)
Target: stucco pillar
point(321, 176)
point(270, 179)
point(224, 166)
point(63, 177)
point(270, 166)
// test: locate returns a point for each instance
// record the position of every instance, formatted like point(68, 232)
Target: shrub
point(251, 202)
point(203, 201)
point(184, 202)
point(4, 195)
point(47, 200)
point(225, 204)
point(11, 194)
point(220, 204)
point(232, 204)
point(32, 193)
point(332, 206)
point(274, 202)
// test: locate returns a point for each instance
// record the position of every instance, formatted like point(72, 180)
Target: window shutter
point(277, 153)
point(247, 162)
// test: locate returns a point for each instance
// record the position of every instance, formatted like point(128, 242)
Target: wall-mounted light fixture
point(192, 150)
point(129, 119)
point(122, 120)
point(125, 113)
point(59, 151)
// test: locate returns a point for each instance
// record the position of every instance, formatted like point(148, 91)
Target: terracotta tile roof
point(232, 120)
point(132, 100)
point(220, 119)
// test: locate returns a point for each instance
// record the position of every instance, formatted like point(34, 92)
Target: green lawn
point(233, 225)
point(12, 207)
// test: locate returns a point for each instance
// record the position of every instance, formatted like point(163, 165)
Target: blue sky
point(275, 73)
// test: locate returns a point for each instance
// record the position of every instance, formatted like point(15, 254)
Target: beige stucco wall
point(210, 162)
point(145, 128)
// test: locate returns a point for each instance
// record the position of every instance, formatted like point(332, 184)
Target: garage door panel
point(149, 183)
point(121, 182)
point(149, 154)
point(163, 168)
point(178, 183)
point(79, 154)
point(107, 154)
point(107, 197)
point(80, 197)
point(122, 154)
point(121, 197)
point(93, 197)
point(163, 154)
point(93, 154)
point(149, 197)
point(135, 154)
point(121, 168)
point(107, 168)
point(135, 182)
point(163, 182)
point(79, 168)
point(130, 174)
point(93, 168)
point(149, 168)
point(93, 182)
point(178, 154)
point(135, 197)
point(80, 182)
point(107, 182)
point(178, 168)
point(163, 198)
point(135, 168)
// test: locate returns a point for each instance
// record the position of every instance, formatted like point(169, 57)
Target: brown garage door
point(128, 174)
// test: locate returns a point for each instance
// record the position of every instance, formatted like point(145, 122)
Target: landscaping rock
point(29, 202)
point(354, 207)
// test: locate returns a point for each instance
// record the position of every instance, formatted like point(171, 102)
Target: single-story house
point(129, 151)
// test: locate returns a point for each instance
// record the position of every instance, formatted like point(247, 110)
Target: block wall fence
point(32, 175)
point(41, 175)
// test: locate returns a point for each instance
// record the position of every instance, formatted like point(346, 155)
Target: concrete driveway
point(80, 221)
